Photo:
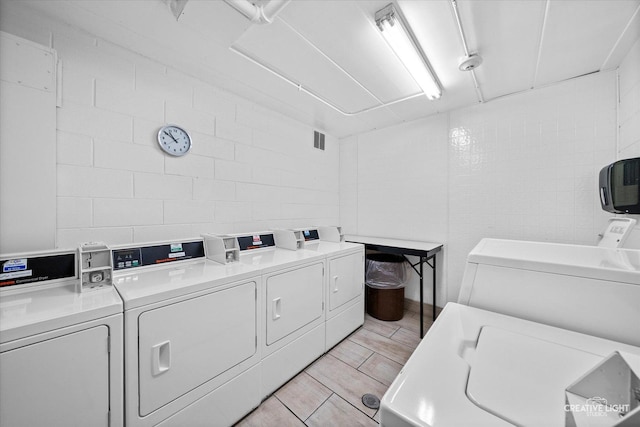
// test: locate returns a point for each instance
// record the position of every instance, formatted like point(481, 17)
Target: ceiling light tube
point(402, 41)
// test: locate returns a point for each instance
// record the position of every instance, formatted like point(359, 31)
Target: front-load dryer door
point(294, 299)
point(62, 381)
point(346, 279)
point(186, 344)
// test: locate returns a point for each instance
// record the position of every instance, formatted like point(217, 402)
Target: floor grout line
point(319, 406)
point(373, 351)
point(365, 360)
point(338, 394)
point(289, 409)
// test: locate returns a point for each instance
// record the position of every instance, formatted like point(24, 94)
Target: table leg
point(422, 260)
point(434, 287)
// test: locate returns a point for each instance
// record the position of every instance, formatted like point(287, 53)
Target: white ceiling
point(334, 50)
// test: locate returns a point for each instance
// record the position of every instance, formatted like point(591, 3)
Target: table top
point(409, 247)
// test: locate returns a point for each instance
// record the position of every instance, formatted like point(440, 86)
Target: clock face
point(174, 140)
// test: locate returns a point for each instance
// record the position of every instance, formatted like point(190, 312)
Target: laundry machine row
point(183, 337)
point(207, 339)
point(313, 292)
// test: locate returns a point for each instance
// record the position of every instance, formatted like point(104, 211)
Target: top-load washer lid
point(620, 265)
point(459, 376)
point(522, 379)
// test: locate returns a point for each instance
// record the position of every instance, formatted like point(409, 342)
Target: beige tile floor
point(329, 391)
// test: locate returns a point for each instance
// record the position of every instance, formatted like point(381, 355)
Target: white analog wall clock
point(174, 140)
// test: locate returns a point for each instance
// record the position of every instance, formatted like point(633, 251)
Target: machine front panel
point(184, 345)
point(346, 279)
point(63, 381)
point(294, 299)
point(569, 302)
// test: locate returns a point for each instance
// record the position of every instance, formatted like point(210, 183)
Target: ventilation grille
point(318, 140)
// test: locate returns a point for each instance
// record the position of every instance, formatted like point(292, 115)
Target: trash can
point(385, 279)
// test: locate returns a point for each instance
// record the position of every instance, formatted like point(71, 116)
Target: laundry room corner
point(394, 184)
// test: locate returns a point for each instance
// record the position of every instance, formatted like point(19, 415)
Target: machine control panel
point(256, 241)
point(127, 258)
point(132, 257)
point(37, 269)
point(310, 235)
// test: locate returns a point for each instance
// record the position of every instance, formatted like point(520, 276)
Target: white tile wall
point(519, 167)
point(629, 109)
point(525, 167)
point(245, 172)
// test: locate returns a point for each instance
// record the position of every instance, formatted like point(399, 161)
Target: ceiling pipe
point(456, 13)
point(272, 9)
point(258, 13)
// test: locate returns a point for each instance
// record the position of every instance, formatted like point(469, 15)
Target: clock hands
point(172, 137)
point(174, 140)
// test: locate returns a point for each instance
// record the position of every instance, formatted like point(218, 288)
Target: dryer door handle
point(335, 284)
point(161, 355)
point(276, 308)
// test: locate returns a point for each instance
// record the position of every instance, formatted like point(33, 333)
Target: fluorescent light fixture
point(399, 36)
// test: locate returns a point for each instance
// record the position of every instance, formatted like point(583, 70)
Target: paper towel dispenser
point(620, 186)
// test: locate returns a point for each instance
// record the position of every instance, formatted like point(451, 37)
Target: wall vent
point(318, 140)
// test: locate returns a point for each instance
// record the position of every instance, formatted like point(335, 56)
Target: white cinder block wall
point(519, 167)
point(250, 169)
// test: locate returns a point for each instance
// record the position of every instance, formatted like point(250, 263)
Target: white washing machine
point(60, 344)
point(532, 319)
point(588, 289)
point(345, 281)
point(293, 332)
point(191, 333)
point(479, 368)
